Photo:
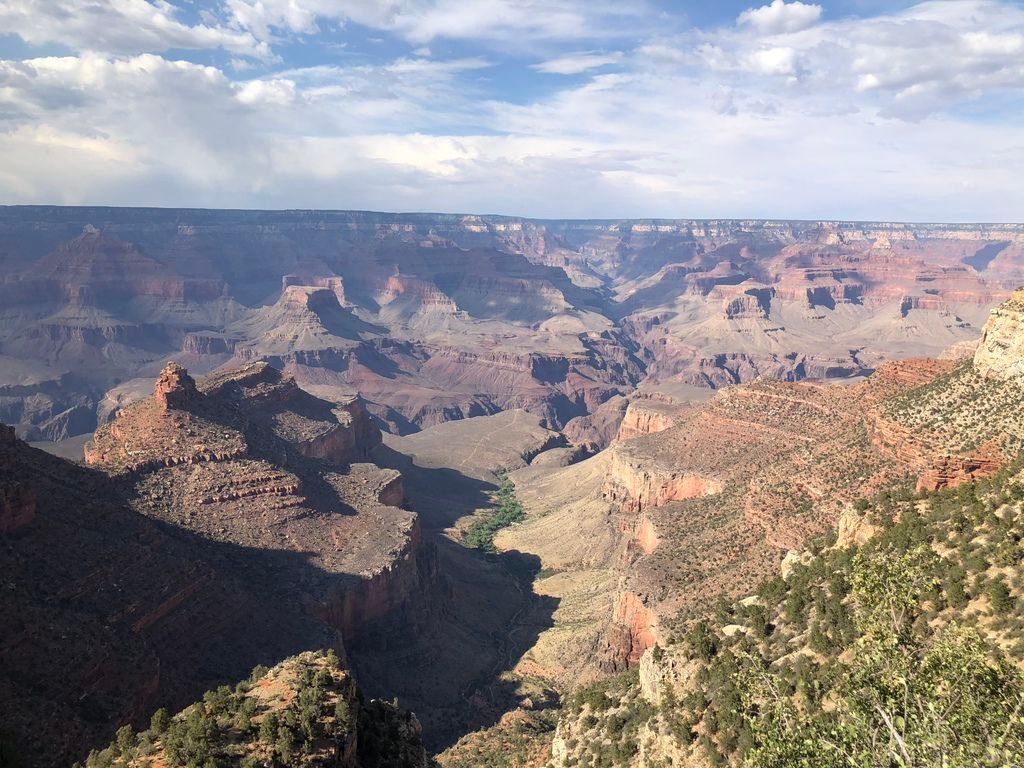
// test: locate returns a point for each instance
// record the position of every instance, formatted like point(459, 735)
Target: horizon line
point(728, 219)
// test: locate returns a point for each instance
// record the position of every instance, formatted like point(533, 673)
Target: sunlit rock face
point(1000, 353)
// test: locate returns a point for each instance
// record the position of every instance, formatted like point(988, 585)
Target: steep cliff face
point(1000, 354)
point(391, 601)
point(635, 484)
point(17, 500)
point(645, 417)
point(632, 631)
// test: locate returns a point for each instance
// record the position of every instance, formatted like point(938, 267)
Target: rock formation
point(694, 500)
point(175, 388)
point(438, 317)
point(255, 527)
point(344, 728)
point(1000, 353)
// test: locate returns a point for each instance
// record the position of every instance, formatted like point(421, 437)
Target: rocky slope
point(439, 317)
point(697, 500)
point(1000, 353)
point(305, 711)
point(110, 614)
point(909, 584)
point(249, 458)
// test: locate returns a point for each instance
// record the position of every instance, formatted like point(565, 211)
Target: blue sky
point(853, 109)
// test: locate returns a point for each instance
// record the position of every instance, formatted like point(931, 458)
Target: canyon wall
point(438, 317)
point(1000, 353)
point(231, 523)
point(704, 499)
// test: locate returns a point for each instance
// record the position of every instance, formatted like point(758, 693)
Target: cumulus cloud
point(855, 117)
point(774, 61)
point(781, 17)
point(120, 26)
point(930, 58)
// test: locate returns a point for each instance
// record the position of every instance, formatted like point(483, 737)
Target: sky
point(844, 109)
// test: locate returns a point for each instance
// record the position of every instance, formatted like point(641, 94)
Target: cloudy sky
point(853, 109)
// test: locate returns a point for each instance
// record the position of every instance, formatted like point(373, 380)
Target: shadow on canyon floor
point(452, 675)
point(440, 495)
point(451, 672)
point(114, 614)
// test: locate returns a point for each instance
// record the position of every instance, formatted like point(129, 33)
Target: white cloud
point(575, 63)
point(119, 26)
point(930, 58)
point(522, 22)
point(774, 61)
point(781, 17)
point(715, 122)
point(277, 91)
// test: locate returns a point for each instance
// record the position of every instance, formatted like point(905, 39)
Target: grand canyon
point(511, 384)
point(462, 490)
point(433, 318)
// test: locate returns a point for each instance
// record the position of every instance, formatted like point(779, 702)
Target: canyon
point(216, 525)
point(281, 425)
point(434, 317)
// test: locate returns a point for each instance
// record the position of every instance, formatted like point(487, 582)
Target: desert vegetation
point(902, 650)
point(994, 415)
point(304, 712)
point(507, 511)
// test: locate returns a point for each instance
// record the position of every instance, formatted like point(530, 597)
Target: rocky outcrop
point(333, 283)
point(208, 343)
point(175, 388)
point(635, 485)
point(597, 429)
point(348, 730)
point(646, 535)
point(645, 417)
point(232, 414)
point(633, 630)
point(351, 439)
point(853, 530)
point(1000, 353)
point(390, 489)
point(390, 600)
point(665, 676)
point(754, 303)
point(951, 471)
